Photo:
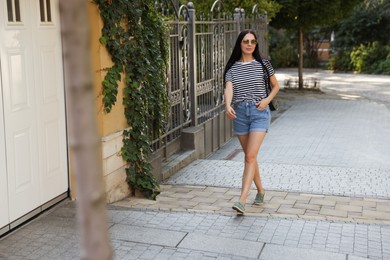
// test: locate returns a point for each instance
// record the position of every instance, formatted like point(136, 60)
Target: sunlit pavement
point(325, 164)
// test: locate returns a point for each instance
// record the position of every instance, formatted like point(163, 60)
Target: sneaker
point(259, 199)
point(239, 207)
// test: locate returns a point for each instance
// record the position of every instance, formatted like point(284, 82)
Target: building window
point(13, 10)
point(45, 9)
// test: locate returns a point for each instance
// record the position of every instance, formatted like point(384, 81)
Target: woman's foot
point(259, 199)
point(239, 207)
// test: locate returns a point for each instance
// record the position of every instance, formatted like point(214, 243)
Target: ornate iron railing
point(199, 49)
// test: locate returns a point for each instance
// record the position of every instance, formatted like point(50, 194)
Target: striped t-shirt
point(248, 80)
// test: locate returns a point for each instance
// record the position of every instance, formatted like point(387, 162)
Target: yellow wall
point(115, 121)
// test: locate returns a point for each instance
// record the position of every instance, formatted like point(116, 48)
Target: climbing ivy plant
point(136, 36)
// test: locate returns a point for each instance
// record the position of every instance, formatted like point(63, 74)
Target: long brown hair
point(237, 52)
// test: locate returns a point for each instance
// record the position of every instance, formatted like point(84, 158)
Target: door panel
point(51, 100)
point(17, 79)
point(20, 109)
point(22, 148)
point(4, 216)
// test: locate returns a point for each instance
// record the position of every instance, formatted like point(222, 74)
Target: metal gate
point(199, 49)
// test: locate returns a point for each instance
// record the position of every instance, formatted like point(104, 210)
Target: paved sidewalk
point(327, 180)
point(277, 204)
point(325, 166)
point(156, 234)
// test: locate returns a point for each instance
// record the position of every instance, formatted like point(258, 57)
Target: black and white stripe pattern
point(248, 80)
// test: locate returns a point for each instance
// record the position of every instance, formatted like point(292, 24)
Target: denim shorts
point(250, 119)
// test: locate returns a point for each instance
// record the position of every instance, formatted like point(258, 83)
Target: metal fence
point(199, 49)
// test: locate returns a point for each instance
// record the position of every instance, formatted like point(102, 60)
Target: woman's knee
point(250, 158)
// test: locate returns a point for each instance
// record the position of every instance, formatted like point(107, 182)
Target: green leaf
point(128, 27)
point(103, 40)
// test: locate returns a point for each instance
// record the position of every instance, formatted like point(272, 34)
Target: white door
point(20, 108)
point(4, 216)
point(33, 102)
point(50, 99)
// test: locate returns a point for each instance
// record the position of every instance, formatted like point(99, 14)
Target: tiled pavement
point(329, 180)
point(325, 166)
point(160, 234)
point(289, 205)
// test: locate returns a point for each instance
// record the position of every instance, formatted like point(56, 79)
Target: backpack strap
point(268, 87)
point(266, 78)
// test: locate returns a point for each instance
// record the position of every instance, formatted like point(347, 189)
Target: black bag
point(273, 104)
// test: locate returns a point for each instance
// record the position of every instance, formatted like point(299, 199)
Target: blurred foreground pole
point(84, 138)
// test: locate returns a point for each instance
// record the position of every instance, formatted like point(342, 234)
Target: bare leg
point(243, 141)
point(253, 142)
point(257, 180)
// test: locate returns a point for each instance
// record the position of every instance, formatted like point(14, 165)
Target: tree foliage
point(371, 58)
point(362, 41)
point(369, 22)
point(282, 48)
point(269, 6)
point(307, 14)
point(303, 15)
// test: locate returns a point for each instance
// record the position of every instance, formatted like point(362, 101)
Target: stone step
point(176, 162)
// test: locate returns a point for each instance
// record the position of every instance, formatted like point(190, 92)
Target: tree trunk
point(84, 138)
point(300, 60)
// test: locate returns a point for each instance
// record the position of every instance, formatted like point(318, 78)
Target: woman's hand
point(230, 112)
point(262, 104)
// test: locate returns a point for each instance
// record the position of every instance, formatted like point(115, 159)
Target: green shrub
point(384, 66)
point(284, 56)
point(282, 51)
point(341, 61)
point(310, 61)
point(370, 58)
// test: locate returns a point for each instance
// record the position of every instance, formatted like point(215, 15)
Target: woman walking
point(247, 101)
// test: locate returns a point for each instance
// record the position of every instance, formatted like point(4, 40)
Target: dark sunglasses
point(247, 41)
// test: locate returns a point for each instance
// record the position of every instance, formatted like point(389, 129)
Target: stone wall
point(114, 168)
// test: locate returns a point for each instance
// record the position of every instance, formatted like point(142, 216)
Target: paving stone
point(324, 202)
point(204, 199)
point(297, 197)
point(182, 195)
point(353, 257)
point(253, 209)
point(332, 212)
point(146, 235)
point(187, 189)
point(277, 252)
point(348, 208)
point(376, 214)
point(289, 210)
point(275, 200)
point(216, 189)
point(363, 203)
point(315, 208)
point(221, 245)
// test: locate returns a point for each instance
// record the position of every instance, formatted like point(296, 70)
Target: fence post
point(237, 20)
point(242, 19)
point(192, 63)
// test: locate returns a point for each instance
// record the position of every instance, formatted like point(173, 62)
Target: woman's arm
point(275, 89)
point(228, 94)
